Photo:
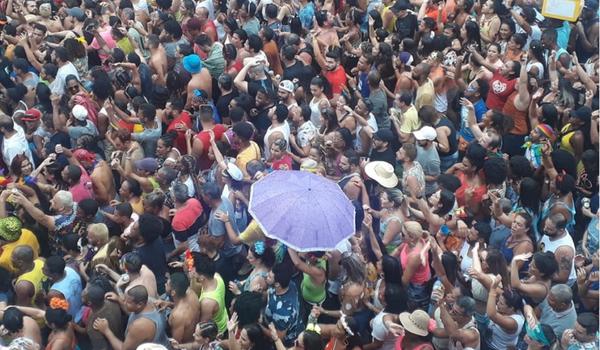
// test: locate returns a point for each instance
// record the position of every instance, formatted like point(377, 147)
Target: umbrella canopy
point(306, 212)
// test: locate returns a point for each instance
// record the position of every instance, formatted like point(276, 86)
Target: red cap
point(31, 115)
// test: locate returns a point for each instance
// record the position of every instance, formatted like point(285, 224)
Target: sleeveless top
point(546, 245)
point(500, 339)
point(218, 295)
point(311, 292)
point(383, 227)
point(418, 347)
point(160, 336)
point(454, 345)
point(518, 117)
point(565, 140)
point(465, 260)
point(551, 203)
point(284, 129)
point(35, 277)
point(452, 138)
point(70, 286)
point(423, 273)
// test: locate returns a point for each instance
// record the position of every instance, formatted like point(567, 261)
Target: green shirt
point(218, 295)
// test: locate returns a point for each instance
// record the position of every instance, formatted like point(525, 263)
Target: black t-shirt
point(153, 255)
point(406, 26)
point(254, 85)
point(299, 71)
point(223, 103)
point(387, 156)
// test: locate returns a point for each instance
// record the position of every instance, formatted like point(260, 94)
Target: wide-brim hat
point(416, 322)
point(383, 173)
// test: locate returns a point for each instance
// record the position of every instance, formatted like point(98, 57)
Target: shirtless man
point(351, 182)
point(17, 325)
point(45, 11)
point(186, 308)
point(158, 60)
point(326, 34)
point(145, 323)
point(101, 175)
point(28, 284)
point(135, 274)
point(201, 79)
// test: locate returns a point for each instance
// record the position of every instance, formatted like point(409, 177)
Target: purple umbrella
point(305, 211)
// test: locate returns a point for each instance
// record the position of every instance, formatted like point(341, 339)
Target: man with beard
point(556, 239)
point(180, 121)
point(59, 224)
point(201, 142)
point(382, 147)
point(458, 323)
point(60, 57)
point(326, 35)
point(259, 116)
point(100, 173)
point(331, 69)
point(425, 90)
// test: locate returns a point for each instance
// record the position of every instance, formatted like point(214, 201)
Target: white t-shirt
point(15, 145)
point(58, 85)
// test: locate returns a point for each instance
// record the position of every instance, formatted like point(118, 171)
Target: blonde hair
point(100, 232)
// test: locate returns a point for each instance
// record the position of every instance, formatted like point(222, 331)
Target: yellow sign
point(568, 10)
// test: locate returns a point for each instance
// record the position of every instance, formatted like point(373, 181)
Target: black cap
point(583, 113)
point(400, 5)
point(385, 135)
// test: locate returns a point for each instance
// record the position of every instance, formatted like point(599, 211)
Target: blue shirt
point(284, 311)
point(217, 228)
point(306, 15)
point(465, 131)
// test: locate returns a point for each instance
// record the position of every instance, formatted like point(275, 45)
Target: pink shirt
point(83, 190)
point(108, 39)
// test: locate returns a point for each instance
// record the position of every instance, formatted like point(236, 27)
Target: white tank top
point(547, 245)
point(284, 129)
point(465, 260)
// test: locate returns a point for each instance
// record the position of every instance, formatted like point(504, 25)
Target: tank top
point(452, 138)
point(70, 286)
point(519, 117)
point(423, 273)
point(546, 245)
point(565, 140)
point(465, 260)
point(160, 335)
point(218, 295)
point(35, 277)
point(311, 292)
point(315, 111)
point(500, 339)
point(454, 345)
point(284, 129)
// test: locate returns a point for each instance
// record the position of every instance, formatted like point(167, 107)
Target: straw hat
point(383, 173)
point(416, 322)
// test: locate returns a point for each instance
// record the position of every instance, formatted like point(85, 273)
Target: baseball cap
point(400, 5)
point(233, 172)
point(287, 85)
point(79, 112)
point(425, 133)
point(77, 13)
point(384, 135)
point(583, 113)
point(147, 164)
point(31, 115)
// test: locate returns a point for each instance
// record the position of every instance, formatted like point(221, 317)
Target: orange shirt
point(270, 49)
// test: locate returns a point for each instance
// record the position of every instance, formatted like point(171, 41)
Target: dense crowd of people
point(463, 132)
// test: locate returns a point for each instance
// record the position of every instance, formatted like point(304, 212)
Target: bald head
point(202, 13)
point(23, 253)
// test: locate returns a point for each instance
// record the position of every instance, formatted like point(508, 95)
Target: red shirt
point(204, 136)
point(185, 119)
point(500, 89)
point(337, 79)
point(210, 29)
point(285, 163)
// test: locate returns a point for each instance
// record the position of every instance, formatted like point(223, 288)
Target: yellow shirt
point(252, 152)
point(410, 121)
point(27, 238)
point(425, 95)
point(35, 276)
point(252, 233)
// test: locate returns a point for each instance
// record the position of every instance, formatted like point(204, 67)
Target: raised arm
point(523, 96)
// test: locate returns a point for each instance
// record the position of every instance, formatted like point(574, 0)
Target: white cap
point(425, 133)
point(234, 172)
point(287, 86)
point(79, 112)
